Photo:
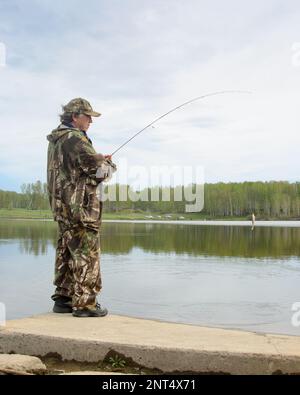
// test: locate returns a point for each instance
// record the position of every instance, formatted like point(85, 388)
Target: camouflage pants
point(77, 265)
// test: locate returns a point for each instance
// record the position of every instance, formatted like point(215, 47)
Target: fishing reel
point(106, 170)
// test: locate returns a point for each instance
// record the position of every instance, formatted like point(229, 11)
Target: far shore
point(291, 224)
point(143, 217)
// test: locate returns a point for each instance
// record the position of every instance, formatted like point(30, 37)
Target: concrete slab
point(153, 344)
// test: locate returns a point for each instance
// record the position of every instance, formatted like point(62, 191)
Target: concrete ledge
point(166, 346)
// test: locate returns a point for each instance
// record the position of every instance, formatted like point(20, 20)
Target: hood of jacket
point(57, 133)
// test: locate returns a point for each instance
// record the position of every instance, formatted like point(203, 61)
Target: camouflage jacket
point(71, 177)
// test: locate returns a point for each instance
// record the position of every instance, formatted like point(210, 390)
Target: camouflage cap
point(80, 106)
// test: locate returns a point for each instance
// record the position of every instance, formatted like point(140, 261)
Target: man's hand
point(106, 170)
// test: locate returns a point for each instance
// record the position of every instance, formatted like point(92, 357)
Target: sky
point(137, 59)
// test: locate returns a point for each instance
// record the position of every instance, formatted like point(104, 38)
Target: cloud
point(136, 60)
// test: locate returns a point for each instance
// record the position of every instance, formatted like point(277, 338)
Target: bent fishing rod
point(177, 108)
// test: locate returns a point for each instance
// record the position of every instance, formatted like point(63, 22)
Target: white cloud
point(137, 61)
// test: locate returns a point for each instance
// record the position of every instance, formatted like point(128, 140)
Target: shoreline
point(210, 222)
point(292, 224)
point(127, 215)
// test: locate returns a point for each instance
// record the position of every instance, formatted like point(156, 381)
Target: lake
point(221, 276)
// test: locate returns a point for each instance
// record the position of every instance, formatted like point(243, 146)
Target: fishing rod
point(174, 109)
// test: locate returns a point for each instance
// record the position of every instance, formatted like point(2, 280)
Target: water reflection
point(222, 276)
point(232, 241)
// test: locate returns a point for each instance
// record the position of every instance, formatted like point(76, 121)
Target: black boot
point(63, 304)
point(96, 311)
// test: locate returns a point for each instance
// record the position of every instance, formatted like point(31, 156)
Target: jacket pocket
point(91, 207)
point(77, 201)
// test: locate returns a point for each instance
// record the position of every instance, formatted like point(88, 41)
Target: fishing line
point(174, 109)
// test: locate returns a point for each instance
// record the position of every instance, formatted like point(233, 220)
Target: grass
point(167, 217)
point(121, 215)
point(19, 213)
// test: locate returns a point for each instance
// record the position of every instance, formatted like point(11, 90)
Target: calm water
point(224, 276)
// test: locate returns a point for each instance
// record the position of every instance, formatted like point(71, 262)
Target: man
point(72, 183)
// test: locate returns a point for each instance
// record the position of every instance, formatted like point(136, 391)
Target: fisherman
point(72, 175)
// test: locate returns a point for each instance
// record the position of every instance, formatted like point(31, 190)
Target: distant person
point(253, 220)
point(72, 182)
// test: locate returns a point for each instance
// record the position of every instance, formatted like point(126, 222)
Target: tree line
point(273, 199)
point(33, 196)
